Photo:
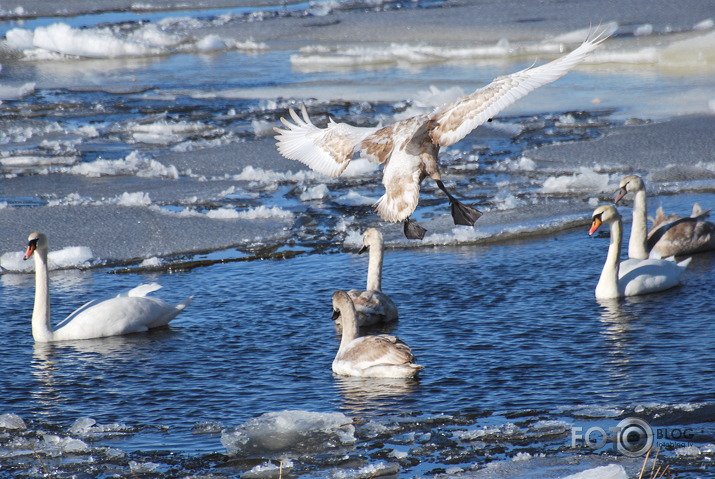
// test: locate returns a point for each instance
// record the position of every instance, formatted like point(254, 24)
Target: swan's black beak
point(363, 248)
point(31, 247)
point(595, 224)
point(336, 315)
point(619, 195)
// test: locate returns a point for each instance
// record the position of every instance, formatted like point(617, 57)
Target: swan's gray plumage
point(380, 355)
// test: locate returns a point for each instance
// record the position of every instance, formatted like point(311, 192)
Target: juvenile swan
point(128, 312)
point(372, 305)
point(377, 356)
point(409, 148)
point(669, 236)
point(634, 276)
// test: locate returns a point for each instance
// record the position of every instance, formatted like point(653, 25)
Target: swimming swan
point(372, 305)
point(378, 356)
point(128, 312)
point(669, 236)
point(632, 277)
point(409, 148)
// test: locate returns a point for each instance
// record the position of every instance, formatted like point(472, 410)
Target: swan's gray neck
point(374, 267)
point(41, 329)
point(639, 229)
point(608, 282)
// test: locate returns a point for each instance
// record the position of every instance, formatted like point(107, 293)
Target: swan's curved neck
point(639, 229)
point(41, 329)
point(350, 328)
point(608, 282)
point(374, 267)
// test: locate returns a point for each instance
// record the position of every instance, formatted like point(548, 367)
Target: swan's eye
point(598, 217)
point(33, 243)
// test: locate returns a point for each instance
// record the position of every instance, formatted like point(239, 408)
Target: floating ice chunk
point(132, 165)
point(263, 212)
point(151, 262)
point(138, 198)
point(8, 92)
point(318, 192)
point(11, 421)
point(371, 470)
point(262, 128)
point(688, 451)
point(225, 213)
point(56, 445)
point(19, 38)
point(398, 454)
point(269, 470)
point(611, 471)
point(210, 43)
point(143, 467)
point(91, 43)
point(355, 199)
point(585, 180)
point(643, 30)
point(289, 431)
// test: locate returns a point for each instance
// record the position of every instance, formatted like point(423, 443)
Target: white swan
point(632, 277)
point(669, 236)
point(409, 148)
point(378, 356)
point(372, 305)
point(128, 312)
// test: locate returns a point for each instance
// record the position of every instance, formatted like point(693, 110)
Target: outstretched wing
point(326, 150)
point(455, 120)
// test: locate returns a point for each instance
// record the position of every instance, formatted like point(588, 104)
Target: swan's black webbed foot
point(461, 213)
point(413, 230)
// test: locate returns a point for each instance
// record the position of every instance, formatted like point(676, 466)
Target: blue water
point(502, 329)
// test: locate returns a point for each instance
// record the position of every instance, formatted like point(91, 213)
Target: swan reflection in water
point(365, 396)
point(64, 370)
point(619, 325)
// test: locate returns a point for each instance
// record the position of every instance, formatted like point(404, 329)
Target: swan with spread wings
point(408, 148)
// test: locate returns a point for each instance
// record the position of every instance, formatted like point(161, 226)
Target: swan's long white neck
point(639, 229)
point(374, 267)
point(41, 329)
point(607, 286)
point(350, 328)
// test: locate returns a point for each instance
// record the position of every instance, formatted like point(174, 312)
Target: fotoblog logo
point(631, 437)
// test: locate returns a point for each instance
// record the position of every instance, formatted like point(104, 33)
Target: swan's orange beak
point(619, 195)
point(30, 249)
point(595, 224)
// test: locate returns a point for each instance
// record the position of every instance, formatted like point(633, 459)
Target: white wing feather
point(325, 150)
point(457, 119)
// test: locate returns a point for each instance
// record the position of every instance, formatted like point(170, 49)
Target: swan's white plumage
point(409, 148)
point(380, 355)
point(372, 305)
point(631, 277)
point(128, 312)
point(669, 236)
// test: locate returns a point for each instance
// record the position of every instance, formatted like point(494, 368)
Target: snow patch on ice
point(70, 257)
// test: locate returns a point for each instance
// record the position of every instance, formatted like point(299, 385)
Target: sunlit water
point(518, 353)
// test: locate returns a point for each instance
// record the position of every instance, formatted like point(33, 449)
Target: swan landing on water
point(129, 312)
point(409, 148)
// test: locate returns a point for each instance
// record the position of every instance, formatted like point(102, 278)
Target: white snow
point(611, 471)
